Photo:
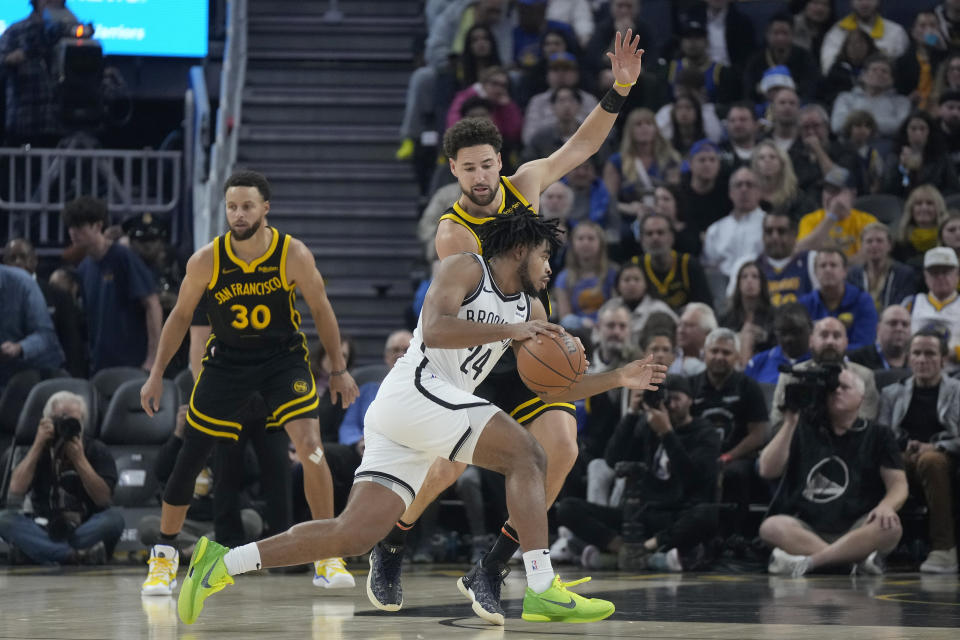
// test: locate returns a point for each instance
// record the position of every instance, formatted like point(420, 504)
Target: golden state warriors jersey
point(251, 305)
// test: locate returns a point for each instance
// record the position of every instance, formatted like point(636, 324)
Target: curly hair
point(471, 132)
point(521, 229)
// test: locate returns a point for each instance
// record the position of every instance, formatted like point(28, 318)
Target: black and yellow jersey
point(251, 305)
point(512, 201)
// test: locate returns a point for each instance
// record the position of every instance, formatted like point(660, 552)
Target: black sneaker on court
point(383, 582)
point(482, 587)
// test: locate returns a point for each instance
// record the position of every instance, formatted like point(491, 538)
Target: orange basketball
point(551, 366)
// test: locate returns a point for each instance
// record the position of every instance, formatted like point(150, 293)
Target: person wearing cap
point(874, 94)
point(704, 197)
point(837, 223)
point(940, 306)
point(730, 33)
point(889, 36)
point(563, 70)
point(837, 298)
point(780, 51)
point(841, 485)
point(924, 413)
point(718, 80)
point(677, 484)
point(739, 233)
point(950, 125)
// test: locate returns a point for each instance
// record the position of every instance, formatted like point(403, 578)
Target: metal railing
point(38, 182)
point(210, 164)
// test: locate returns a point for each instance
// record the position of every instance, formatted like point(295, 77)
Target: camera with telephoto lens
point(64, 429)
point(655, 398)
point(810, 391)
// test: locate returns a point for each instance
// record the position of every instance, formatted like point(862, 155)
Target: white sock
point(539, 570)
point(242, 559)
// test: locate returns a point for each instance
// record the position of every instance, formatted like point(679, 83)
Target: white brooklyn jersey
point(466, 368)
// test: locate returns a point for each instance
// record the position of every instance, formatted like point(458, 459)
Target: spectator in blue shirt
point(836, 297)
point(351, 428)
point(791, 326)
point(119, 292)
point(27, 337)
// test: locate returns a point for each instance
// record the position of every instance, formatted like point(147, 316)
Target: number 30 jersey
point(251, 305)
point(466, 368)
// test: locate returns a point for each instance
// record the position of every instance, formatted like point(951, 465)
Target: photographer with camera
point(828, 343)
point(26, 57)
point(670, 461)
point(842, 479)
point(71, 479)
point(924, 412)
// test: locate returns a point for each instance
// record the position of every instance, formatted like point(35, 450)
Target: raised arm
point(302, 272)
point(537, 175)
point(457, 277)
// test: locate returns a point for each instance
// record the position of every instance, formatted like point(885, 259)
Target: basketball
point(551, 366)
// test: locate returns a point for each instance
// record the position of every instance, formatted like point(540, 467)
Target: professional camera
point(655, 399)
point(64, 429)
point(809, 393)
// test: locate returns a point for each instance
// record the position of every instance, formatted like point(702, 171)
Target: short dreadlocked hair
point(471, 132)
point(521, 229)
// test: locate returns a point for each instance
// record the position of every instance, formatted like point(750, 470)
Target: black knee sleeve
point(190, 461)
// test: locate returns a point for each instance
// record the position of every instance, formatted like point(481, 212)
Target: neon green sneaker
point(207, 575)
point(405, 152)
point(557, 604)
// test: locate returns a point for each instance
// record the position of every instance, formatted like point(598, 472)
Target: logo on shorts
point(300, 386)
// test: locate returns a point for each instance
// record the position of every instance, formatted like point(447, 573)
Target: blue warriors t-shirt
point(113, 289)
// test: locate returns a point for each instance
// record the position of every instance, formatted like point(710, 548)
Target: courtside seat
point(135, 438)
point(370, 373)
point(107, 381)
point(30, 417)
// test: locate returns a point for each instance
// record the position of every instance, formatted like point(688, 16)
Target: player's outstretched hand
point(150, 394)
point(343, 389)
point(534, 329)
point(643, 374)
point(626, 58)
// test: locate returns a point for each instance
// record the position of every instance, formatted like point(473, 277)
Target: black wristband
point(612, 102)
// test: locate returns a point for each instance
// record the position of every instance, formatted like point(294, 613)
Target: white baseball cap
point(940, 257)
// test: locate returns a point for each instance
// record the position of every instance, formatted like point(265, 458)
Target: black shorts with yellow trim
point(230, 377)
point(507, 391)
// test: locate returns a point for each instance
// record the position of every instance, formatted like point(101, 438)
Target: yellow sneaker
point(332, 574)
point(405, 151)
point(162, 575)
point(559, 604)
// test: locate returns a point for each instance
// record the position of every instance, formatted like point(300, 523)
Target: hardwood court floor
point(88, 604)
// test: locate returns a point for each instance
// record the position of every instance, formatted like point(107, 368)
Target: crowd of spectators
point(777, 197)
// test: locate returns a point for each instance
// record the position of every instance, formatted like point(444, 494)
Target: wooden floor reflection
point(37, 603)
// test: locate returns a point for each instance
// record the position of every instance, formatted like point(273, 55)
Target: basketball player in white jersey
point(475, 309)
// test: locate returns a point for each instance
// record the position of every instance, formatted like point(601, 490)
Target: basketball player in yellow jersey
point(250, 276)
point(473, 148)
